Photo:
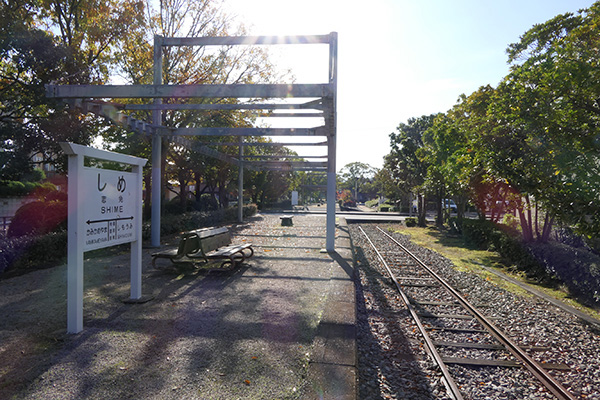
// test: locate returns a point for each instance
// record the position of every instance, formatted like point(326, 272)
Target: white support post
point(136, 246)
point(156, 150)
point(76, 227)
point(331, 145)
point(331, 202)
point(241, 182)
point(156, 190)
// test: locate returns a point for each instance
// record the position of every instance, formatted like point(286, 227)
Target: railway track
point(440, 311)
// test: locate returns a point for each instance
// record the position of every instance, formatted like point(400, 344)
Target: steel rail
point(538, 371)
point(449, 382)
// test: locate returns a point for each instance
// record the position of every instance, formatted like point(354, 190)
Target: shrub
point(279, 205)
point(41, 251)
point(372, 203)
point(11, 250)
point(32, 252)
point(207, 202)
point(39, 217)
point(12, 188)
point(196, 219)
point(410, 222)
point(250, 210)
point(510, 221)
point(455, 225)
point(174, 207)
point(578, 268)
point(37, 175)
point(17, 188)
point(502, 239)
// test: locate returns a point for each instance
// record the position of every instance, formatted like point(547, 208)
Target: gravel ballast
point(529, 321)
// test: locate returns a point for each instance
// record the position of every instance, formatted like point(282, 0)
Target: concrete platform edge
point(332, 370)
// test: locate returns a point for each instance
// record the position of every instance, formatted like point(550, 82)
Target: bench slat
point(204, 244)
point(214, 242)
point(227, 251)
point(207, 232)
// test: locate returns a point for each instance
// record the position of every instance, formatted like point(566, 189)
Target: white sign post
point(105, 209)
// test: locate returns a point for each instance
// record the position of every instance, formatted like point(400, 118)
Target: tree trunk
point(549, 221)
point(529, 219)
point(223, 199)
point(183, 194)
point(422, 212)
point(460, 209)
point(439, 220)
point(537, 223)
point(198, 193)
point(525, 220)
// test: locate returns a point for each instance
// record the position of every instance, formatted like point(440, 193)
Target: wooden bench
point(204, 245)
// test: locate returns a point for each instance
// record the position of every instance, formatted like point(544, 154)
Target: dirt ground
point(245, 334)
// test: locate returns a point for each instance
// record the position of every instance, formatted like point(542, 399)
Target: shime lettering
point(111, 209)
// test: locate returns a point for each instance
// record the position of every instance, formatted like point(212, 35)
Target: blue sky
point(397, 58)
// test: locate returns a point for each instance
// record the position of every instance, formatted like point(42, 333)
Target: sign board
point(105, 209)
point(110, 202)
point(294, 198)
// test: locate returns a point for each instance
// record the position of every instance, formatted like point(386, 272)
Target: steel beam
point(189, 91)
point(246, 40)
point(297, 157)
point(317, 131)
point(293, 115)
point(261, 144)
point(291, 169)
point(268, 163)
point(312, 105)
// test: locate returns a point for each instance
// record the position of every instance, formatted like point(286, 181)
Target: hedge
point(35, 252)
point(17, 188)
point(410, 222)
point(577, 268)
point(488, 235)
point(32, 252)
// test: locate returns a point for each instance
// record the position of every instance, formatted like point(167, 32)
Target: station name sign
point(110, 204)
point(105, 209)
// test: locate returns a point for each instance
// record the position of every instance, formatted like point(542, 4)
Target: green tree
point(386, 185)
point(308, 182)
point(356, 175)
point(60, 41)
point(548, 114)
point(266, 186)
point(407, 168)
point(440, 142)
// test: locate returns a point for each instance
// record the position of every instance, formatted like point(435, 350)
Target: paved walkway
point(281, 326)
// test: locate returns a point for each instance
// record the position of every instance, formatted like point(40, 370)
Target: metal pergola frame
point(85, 98)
